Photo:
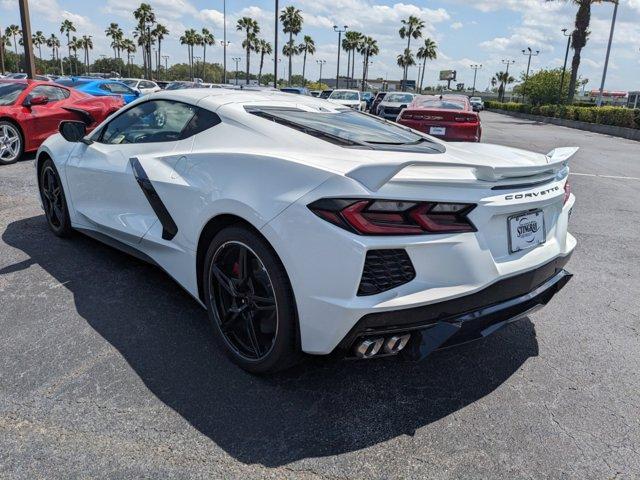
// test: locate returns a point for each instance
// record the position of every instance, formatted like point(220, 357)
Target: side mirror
point(37, 100)
point(72, 131)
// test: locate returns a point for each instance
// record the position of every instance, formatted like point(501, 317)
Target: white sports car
point(305, 226)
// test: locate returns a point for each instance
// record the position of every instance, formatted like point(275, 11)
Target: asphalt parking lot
point(108, 370)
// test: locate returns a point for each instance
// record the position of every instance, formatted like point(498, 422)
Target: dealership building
point(633, 100)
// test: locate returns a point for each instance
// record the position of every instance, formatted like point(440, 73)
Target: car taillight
point(394, 217)
point(567, 192)
point(466, 118)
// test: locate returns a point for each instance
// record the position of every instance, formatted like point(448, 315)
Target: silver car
point(393, 104)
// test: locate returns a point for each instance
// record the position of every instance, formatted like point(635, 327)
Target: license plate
point(526, 230)
point(437, 131)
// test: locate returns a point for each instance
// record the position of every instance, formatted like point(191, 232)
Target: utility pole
point(340, 32)
point(475, 69)
point(530, 53)
point(236, 59)
point(564, 68)
point(606, 62)
point(275, 48)
point(321, 63)
point(224, 40)
point(166, 69)
point(504, 88)
point(29, 64)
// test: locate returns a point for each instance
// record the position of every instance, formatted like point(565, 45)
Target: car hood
point(344, 102)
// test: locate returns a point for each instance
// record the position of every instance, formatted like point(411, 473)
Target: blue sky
point(478, 31)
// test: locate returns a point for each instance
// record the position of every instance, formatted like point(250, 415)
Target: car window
point(399, 98)
point(130, 83)
point(337, 95)
point(157, 121)
point(146, 85)
point(9, 92)
point(116, 88)
point(52, 93)
point(442, 104)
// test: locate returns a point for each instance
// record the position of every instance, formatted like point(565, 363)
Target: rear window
point(349, 128)
point(399, 98)
point(9, 92)
point(344, 96)
point(69, 82)
point(441, 104)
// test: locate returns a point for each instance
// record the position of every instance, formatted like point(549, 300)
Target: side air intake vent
point(384, 270)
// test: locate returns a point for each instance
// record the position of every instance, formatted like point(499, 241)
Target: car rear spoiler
point(375, 175)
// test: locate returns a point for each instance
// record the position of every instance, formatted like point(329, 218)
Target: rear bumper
point(467, 318)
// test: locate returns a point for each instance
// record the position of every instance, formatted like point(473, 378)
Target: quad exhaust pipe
point(372, 346)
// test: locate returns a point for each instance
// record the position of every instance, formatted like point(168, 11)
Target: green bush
point(636, 117)
point(585, 114)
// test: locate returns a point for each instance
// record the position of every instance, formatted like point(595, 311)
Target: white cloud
point(457, 25)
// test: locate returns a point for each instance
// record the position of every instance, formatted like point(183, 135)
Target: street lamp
point(530, 53)
point(224, 40)
point(504, 89)
point(564, 68)
point(275, 46)
point(237, 60)
point(340, 31)
point(166, 68)
point(197, 59)
point(224, 44)
point(29, 64)
point(606, 62)
point(475, 69)
point(321, 63)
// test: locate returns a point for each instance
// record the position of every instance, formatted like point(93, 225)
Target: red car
point(450, 117)
point(31, 111)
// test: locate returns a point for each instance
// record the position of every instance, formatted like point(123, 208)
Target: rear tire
point(53, 199)
point(250, 301)
point(11, 143)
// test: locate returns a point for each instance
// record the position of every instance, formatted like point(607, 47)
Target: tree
point(189, 39)
point(74, 45)
point(411, 28)
point(13, 31)
point(504, 79)
point(307, 46)
point(159, 33)
point(4, 43)
point(350, 44)
point(368, 47)
point(38, 39)
point(428, 51)
point(264, 48)
point(129, 47)
point(579, 37)
point(54, 44)
point(291, 19)
point(542, 86)
point(207, 40)
point(66, 28)
point(251, 30)
point(87, 45)
point(405, 61)
point(116, 34)
point(146, 20)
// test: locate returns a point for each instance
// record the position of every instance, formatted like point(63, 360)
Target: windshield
point(130, 83)
point(9, 92)
point(348, 128)
point(399, 98)
point(337, 95)
point(69, 82)
point(325, 93)
point(442, 104)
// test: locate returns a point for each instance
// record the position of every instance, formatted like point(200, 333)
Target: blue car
point(100, 87)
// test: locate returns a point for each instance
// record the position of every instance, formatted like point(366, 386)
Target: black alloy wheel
point(53, 200)
point(250, 301)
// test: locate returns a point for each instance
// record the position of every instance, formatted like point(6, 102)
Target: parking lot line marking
point(605, 176)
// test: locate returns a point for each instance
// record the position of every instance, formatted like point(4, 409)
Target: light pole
point(237, 60)
point(275, 47)
point(606, 62)
point(321, 63)
point(224, 41)
point(475, 69)
point(340, 32)
point(504, 89)
point(564, 68)
point(197, 59)
point(26, 39)
point(530, 53)
point(166, 68)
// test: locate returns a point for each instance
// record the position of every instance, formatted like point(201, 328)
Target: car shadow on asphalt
point(322, 407)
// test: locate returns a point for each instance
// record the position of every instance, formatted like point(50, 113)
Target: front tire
point(11, 143)
point(250, 301)
point(54, 201)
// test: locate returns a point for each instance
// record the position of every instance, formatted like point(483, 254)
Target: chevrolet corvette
point(30, 111)
point(303, 226)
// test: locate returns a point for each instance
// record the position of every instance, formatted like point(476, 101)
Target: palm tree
point(87, 45)
point(411, 28)
point(264, 48)
point(74, 45)
point(428, 51)
point(368, 47)
point(13, 31)
point(291, 19)
point(159, 33)
point(129, 47)
point(251, 30)
point(38, 39)
point(406, 60)
point(307, 46)
point(579, 37)
point(116, 34)
point(189, 39)
point(66, 28)
point(4, 43)
point(349, 45)
point(504, 79)
point(54, 44)
point(146, 19)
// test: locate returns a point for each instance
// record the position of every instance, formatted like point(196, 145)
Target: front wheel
point(11, 143)
point(53, 200)
point(250, 301)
